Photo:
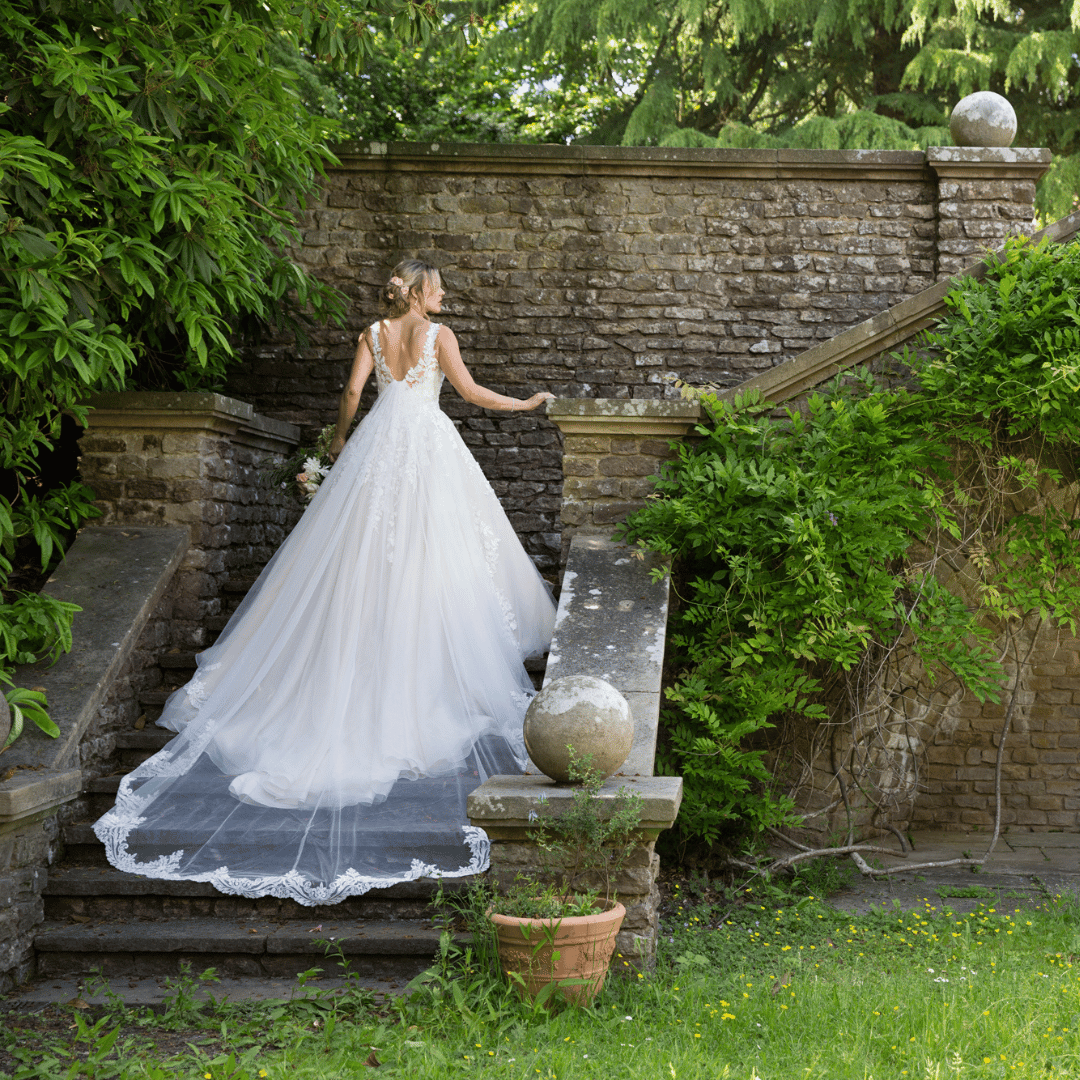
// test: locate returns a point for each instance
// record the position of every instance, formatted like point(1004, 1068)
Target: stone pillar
point(612, 447)
point(506, 808)
point(985, 195)
point(194, 460)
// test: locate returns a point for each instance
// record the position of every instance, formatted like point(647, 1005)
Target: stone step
point(155, 697)
point(257, 945)
point(134, 747)
point(238, 585)
point(100, 794)
point(104, 893)
point(150, 739)
point(175, 658)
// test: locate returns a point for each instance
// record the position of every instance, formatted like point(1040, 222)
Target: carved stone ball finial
point(983, 119)
point(586, 713)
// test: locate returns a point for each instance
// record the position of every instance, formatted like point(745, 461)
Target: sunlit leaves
point(153, 157)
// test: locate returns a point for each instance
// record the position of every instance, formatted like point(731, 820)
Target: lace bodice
point(425, 377)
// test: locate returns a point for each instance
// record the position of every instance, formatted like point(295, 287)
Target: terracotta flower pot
point(573, 953)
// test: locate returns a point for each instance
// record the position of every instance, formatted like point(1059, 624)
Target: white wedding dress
point(372, 677)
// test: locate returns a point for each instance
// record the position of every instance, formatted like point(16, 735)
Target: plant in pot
point(556, 929)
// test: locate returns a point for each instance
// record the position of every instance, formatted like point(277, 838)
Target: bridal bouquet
point(308, 466)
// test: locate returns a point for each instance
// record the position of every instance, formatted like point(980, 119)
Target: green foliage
point(1000, 375)
point(866, 74)
point(456, 87)
point(1005, 364)
point(806, 546)
point(153, 158)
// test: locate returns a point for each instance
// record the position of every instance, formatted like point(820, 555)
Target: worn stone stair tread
point(177, 659)
point(155, 697)
point(107, 881)
point(150, 739)
point(247, 936)
point(238, 585)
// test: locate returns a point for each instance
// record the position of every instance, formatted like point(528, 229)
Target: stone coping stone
point(619, 416)
point(576, 160)
point(516, 801)
point(631, 407)
point(153, 408)
point(250, 936)
point(1006, 155)
point(878, 334)
point(612, 623)
point(117, 575)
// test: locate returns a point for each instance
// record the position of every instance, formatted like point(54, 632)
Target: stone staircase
point(98, 919)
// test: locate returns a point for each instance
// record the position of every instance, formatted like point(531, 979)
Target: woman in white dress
point(373, 675)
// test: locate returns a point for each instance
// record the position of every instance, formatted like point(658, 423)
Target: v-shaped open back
point(394, 346)
point(422, 373)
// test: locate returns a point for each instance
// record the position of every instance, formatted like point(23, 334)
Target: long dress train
point(371, 678)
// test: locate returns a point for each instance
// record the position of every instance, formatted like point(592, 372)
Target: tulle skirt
point(371, 678)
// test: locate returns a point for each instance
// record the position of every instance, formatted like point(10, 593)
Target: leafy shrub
point(804, 544)
point(154, 158)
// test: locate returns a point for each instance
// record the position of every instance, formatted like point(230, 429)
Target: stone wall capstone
point(196, 460)
point(607, 272)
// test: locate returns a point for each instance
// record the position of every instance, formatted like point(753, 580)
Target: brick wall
point(605, 272)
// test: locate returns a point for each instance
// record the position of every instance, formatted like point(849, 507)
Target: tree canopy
point(843, 74)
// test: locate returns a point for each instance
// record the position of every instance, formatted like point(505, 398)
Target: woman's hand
point(535, 401)
point(335, 448)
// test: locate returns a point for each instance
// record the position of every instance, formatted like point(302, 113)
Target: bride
point(373, 676)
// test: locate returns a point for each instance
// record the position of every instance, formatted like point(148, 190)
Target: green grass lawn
point(777, 990)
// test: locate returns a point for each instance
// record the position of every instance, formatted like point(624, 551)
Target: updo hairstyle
point(407, 281)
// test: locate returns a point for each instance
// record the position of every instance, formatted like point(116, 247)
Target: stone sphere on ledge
point(983, 119)
point(586, 713)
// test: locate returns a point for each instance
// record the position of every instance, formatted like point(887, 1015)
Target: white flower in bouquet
point(312, 476)
point(316, 465)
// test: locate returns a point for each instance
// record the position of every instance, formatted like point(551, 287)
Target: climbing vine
point(849, 571)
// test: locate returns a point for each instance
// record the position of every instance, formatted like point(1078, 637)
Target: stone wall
point(123, 581)
point(196, 460)
point(606, 272)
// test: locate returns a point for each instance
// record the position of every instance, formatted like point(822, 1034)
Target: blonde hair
point(407, 281)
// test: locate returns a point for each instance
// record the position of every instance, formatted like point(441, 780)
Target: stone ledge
point(988, 162)
point(116, 575)
point(510, 804)
point(618, 416)
point(612, 624)
point(868, 339)
point(642, 161)
point(141, 409)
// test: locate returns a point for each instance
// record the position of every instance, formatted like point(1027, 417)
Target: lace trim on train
point(196, 689)
point(115, 827)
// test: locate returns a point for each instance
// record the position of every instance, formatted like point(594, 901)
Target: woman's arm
point(449, 357)
point(363, 365)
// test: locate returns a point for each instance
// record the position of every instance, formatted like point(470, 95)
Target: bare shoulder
point(445, 337)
